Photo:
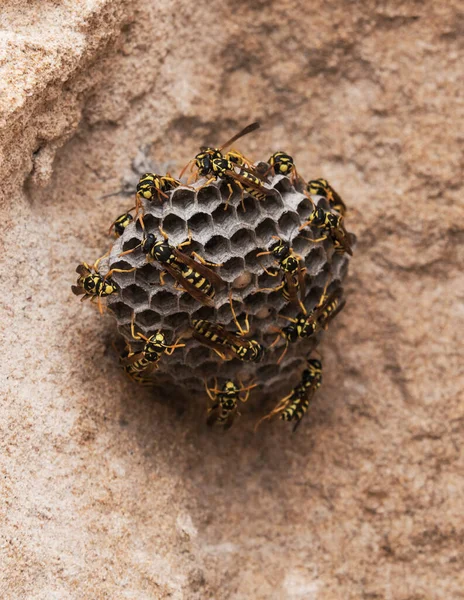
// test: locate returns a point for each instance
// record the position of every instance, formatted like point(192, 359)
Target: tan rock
point(109, 494)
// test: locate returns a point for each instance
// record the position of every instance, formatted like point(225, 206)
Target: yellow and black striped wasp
point(246, 181)
point(138, 366)
point(304, 326)
point(228, 344)
point(224, 407)
point(120, 224)
point(151, 185)
point(282, 163)
point(321, 187)
point(294, 406)
point(194, 276)
point(333, 228)
point(203, 160)
point(90, 284)
point(293, 282)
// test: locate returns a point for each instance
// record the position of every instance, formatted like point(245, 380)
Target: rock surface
point(109, 494)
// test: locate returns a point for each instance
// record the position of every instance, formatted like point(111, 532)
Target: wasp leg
point(176, 344)
point(231, 193)
point(243, 331)
point(204, 261)
point(110, 272)
point(321, 239)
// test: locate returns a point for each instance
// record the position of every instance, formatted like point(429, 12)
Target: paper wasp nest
point(232, 237)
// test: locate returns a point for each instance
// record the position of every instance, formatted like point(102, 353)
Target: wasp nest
point(233, 238)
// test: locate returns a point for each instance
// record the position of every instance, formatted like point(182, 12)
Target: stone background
point(108, 494)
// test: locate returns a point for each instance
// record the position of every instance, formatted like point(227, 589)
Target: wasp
point(294, 406)
point(282, 164)
point(333, 228)
point(321, 187)
point(139, 365)
point(225, 402)
point(246, 181)
point(120, 224)
point(151, 184)
point(293, 282)
point(90, 284)
point(194, 276)
point(306, 325)
point(228, 344)
point(203, 160)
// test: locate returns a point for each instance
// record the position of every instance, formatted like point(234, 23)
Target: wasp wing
point(248, 129)
point(188, 287)
point(200, 268)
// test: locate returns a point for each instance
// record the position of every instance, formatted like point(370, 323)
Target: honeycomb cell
point(251, 212)
point(200, 223)
point(135, 295)
point(243, 241)
point(204, 312)
point(217, 246)
point(164, 302)
point(243, 278)
point(198, 355)
point(208, 198)
point(176, 320)
point(121, 311)
point(265, 231)
point(288, 225)
point(148, 319)
point(231, 269)
point(255, 301)
point(148, 274)
point(273, 206)
point(305, 208)
point(150, 223)
point(264, 312)
point(183, 199)
point(283, 186)
point(131, 244)
point(176, 228)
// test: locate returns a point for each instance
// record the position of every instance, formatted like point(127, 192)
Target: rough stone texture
point(109, 494)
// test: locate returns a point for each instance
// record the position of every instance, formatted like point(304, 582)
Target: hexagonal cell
point(264, 232)
point(175, 227)
point(243, 241)
point(217, 246)
point(148, 319)
point(150, 223)
point(305, 208)
point(121, 311)
point(176, 320)
point(242, 278)
point(254, 302)
point(315, 260)
point(147, 274)
point(283, 186)
point(183, 198)
point(221, 217)
point(249, 212)
point(224, 314)
point(135, 295)
point(289, 224)
point(208, 198)
point(268, 281)
point(300, 245)
point(198, 355)
point(200, 223)
point(273, 205)
point(188, 303)
point(131, 244)
point(165, 301)
point(231, 269)
point(264, 312)
point(204, 312)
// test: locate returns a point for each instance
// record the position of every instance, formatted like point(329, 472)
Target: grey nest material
point(232, 237)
